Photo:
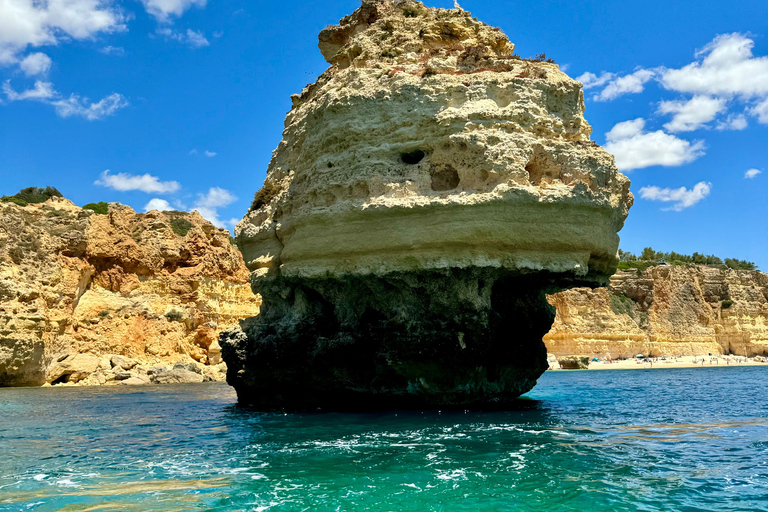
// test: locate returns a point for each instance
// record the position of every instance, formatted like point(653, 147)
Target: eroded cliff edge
point(101, 299)
point(664, 310)
point(429, 190)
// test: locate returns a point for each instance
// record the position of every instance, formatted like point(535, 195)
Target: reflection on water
point(686, 440)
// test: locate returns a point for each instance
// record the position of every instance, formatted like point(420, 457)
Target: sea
point(614, 440)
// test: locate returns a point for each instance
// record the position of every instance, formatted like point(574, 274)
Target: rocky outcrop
point(429, 189)
point(665, 310)
point(77, 288)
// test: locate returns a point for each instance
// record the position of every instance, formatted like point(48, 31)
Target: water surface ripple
point(671, 440)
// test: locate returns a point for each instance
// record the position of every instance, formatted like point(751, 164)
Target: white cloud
point(113, 50)
point(208, 204)
point(628, 84)
point(727, 69)
point(192, 38)
point(146, 183)
point(35, 64)
point(160, 205)
point(72, 106)
point(163, 10)
point(210, 154)
point(634, 148)
point(733, 122)
point(692, 114)
point(77, 106)
point(41, 91)
point(681, 197)
point(752, 173)
point(591, 80)
point(761, 111)
point(36, 23)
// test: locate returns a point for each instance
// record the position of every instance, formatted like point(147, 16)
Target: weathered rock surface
point(665, 310)
point(429, 189)
point(81, 293)
point(574, 362)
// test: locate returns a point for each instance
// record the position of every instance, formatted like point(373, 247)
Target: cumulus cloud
point(590, 80)
point(66, 107)
point(164, 10)
point(733, 122)
point(41, 91)
point(35, 64)
point(692, 114)
point(210, 154)
point(209, 203)
point(752, 173)
point(634, 148)
point(681, 198)
point(26, 23)
point(761, 111)
point(146, 183)
point(158, 204)
point(192, 38)
point(727, 69)
point(628, 84)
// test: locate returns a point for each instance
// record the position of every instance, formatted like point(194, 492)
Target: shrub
point(181, 226)
point(14, 200)
point(32, 195)
point(100, 208)
point(621, 304)
point(265, 195)
point(174, 315)
point(639, 265)
point(727, 303)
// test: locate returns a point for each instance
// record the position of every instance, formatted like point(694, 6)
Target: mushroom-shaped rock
point(429, 190)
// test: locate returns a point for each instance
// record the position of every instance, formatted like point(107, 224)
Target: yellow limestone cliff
point(84, 296)
point(664, 310)
point(429, 188)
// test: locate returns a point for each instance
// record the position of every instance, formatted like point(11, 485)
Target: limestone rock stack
point(80, 289)
point(666, 310)
point(429, 189)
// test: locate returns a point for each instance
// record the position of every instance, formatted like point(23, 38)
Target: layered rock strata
point(429, 190)
point(665, 311)
point(78, 289)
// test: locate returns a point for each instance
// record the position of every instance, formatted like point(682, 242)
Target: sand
point(705, 361)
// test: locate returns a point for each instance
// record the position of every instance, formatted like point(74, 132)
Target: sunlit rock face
point(429, 190)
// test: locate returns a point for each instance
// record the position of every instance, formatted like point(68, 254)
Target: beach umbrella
point(639, 356)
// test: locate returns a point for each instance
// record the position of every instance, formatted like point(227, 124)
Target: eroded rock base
point(450, 338)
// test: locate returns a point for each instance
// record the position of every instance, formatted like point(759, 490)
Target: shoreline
point(670, 362)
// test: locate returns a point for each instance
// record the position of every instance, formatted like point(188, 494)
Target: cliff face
point(430, 187)
point(77, 287)
point(664, 310)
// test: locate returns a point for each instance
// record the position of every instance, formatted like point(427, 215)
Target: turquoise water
point(672, 440)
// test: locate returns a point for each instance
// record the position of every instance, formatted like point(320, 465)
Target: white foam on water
point(40, 477)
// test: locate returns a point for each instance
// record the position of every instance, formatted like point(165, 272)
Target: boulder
point(22, 362)
point(574, 362)
point(123, 362)
point(72, 368)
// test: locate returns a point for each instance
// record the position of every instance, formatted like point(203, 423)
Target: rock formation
point(78, 290)
point(665, 310)
point(429, 189)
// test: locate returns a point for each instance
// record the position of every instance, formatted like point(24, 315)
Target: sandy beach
point(705, 361)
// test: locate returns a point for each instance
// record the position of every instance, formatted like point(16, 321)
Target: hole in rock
point(413, 157)
point(61, 380)
point(540, 167)
point(444, 177)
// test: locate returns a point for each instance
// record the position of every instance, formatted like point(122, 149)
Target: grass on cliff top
point(100, 208)
point(181, 226)
point(32, 195)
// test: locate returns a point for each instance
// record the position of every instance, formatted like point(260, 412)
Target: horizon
point(685, 112)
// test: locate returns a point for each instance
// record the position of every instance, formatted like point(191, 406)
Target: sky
point(180, 103)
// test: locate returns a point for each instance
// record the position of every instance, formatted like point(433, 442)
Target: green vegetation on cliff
point(649, 258)
point(32, 195)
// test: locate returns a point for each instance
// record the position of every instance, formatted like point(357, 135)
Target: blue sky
point(180, 102)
